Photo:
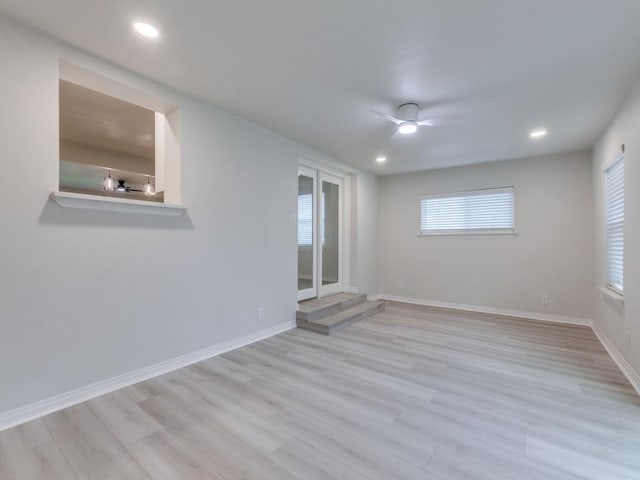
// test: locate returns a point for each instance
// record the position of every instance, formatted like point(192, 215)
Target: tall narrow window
point(615, 224)
point(478, 211)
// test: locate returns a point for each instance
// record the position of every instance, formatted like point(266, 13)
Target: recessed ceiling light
point(538, 133)
point(146, 30)
point(407, 128)
point(381, 159)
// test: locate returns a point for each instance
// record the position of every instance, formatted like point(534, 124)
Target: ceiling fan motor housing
point(408, 112)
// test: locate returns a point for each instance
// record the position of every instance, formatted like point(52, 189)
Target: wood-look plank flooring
point(410, 393)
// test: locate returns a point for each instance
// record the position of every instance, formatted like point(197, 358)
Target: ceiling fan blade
point(396, 135)
point(388, 117)
point(439, 121)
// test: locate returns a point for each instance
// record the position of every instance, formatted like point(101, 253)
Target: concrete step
point(316, 308)
point(342, 318)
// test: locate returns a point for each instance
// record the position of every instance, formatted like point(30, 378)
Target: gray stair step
point(316, 308)
point(343, 318)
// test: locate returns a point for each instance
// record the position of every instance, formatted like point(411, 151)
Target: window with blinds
point(305, 220)
point(614, 213)
point(478, 211)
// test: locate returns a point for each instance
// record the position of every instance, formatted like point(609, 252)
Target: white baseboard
point(53, 404)
point(625, 367)
point(542, 317)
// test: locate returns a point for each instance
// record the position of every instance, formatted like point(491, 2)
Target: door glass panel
point(329, 235)
point(305, 232)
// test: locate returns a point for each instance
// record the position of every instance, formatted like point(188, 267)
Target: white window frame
point(470, 231)
point(617, 289)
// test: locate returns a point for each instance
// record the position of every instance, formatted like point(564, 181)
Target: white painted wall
point(620, 323)
point(551, 253)
point(365, 235)
point(85, 296)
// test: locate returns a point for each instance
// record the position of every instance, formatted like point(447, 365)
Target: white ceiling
point(314, 69)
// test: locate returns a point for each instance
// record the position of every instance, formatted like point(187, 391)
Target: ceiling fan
point(122, 187)
point(407, 119)
point(110, 185)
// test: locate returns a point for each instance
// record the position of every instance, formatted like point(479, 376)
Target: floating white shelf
point(96, 202)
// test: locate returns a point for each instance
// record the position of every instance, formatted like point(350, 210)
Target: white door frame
point(307, 163)
point(313, 290)
point(324, 290)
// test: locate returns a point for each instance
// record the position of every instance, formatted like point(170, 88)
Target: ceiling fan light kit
point(407, 128)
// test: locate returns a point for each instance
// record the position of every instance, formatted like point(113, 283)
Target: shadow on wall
point(53, 214)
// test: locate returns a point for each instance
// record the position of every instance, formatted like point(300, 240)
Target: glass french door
point(307, 233)
point(319, 233)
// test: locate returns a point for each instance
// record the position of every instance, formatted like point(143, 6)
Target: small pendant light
point(109, 183)
point(148, 188)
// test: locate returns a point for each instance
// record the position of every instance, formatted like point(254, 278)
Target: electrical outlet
point(544, 299)
point(401, 284)
point(260, 314)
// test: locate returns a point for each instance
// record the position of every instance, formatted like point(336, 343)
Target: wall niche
point(116, 141)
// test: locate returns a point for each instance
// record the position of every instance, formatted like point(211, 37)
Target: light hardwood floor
point(410, 393)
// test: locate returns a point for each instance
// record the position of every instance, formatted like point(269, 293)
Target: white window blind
point(478, 211)
point(305, 219)
point(614, 212)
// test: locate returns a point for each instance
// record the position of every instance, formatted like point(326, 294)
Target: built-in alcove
point(118, 145)
point(107, 146)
